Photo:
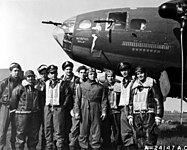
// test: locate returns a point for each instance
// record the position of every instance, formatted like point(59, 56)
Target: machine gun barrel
point(104, 21)
point(51, 22)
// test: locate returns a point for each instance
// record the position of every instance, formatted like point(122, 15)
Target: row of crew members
point(135, 109)
point(131, 110)
point(29, 103)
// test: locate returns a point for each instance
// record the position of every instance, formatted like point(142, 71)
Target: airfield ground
point(171, 133)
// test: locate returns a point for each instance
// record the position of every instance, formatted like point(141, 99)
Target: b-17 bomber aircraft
point(150, 37)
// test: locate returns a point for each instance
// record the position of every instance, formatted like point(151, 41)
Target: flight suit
point(126, 129)
point(145, 104)
point(6, 113)
point(90, 102)
point(72, 123)
point(114, 116)
point(75, 129)
point(27, 101)
point(56, 114)
point(40, 85)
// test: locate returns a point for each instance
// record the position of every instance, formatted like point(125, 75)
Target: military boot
point(32, 148)
point(71, 148)
point(84, 148)
point(131, 147)
point(13, 147)
point(49, 147)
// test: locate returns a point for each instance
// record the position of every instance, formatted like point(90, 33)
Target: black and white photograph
point(93, 75)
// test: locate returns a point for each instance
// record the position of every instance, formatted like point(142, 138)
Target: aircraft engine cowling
point(173, 9)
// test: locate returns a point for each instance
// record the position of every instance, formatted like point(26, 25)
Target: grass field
point(171, 134)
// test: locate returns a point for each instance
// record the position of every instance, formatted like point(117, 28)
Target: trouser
point(57, 123)
point(116, 128)
point(42, 128)
point(90, 124)
point(106, 131)
point(28, 126)
point(43, 141)
point(145, 126)
point(126, 129)
point(5, 119)
point(75, 130)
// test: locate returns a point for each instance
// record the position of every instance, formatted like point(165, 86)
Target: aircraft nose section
point(58, 35)
point(63, 34)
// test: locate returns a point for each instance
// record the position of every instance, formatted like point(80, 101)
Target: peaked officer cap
point(82, 68)
point(52, 68)
point(42, 68)
point(124, 66)
point(67, 64)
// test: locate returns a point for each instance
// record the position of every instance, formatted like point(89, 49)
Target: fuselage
point(103, 39)
point(139, 36)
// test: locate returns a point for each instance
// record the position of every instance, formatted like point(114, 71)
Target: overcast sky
point(24, 39)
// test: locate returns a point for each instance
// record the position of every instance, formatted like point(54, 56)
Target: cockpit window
point(138, 24)
point(119, 19)
point(85, 24)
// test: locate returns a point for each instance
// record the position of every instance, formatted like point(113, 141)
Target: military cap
point(14, 65)
point(139, 69)
point(67, 64)
point(92, 70)
point(82, 68)
point(124, 66)
point(52, 68)
point(29, 73)
point(42, 68)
